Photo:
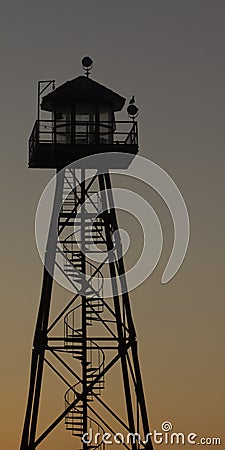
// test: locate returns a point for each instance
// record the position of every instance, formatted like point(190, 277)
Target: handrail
point(83, 132)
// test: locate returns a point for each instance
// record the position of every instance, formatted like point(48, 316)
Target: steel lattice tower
point(96, 332)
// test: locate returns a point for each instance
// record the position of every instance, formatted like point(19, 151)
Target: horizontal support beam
point(79, 339)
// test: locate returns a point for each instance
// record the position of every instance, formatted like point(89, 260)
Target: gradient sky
point(170, 54)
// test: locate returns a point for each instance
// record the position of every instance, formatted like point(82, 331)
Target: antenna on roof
point(87, 65)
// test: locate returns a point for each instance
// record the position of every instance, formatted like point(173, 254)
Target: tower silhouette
point(92, 333)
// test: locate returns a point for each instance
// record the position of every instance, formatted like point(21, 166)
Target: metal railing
point(83, 132)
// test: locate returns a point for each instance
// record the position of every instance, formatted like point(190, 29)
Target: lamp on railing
point(132, 109)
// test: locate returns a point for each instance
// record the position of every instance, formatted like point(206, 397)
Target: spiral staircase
point(73, 330)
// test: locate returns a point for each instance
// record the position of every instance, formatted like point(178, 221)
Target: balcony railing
point(83, 133)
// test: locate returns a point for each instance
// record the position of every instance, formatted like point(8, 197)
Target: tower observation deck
point(83, 123)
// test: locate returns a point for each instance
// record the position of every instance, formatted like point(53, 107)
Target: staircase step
point(91, 312)
point(73, 422)
point(97, 303)
point(73, 349)
point(72, 272)
point(71, 265)
point(94, 318)
point(67, 250)
point(75, 429)
point(71, 259)
point(94, 308)
point(91, 307)
point(98, 388)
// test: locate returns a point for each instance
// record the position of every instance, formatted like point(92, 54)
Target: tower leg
point(40, 337)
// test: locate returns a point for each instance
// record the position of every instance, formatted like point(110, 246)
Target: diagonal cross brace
point(80, 397)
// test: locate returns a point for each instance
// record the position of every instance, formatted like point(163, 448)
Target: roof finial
point(87, 65)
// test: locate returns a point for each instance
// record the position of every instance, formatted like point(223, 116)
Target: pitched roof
point(82, 89)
